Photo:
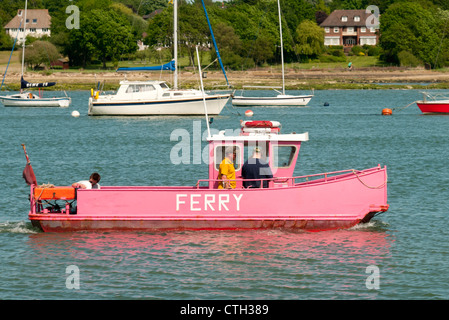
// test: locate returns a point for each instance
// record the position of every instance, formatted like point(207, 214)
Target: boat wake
point(24, 227)
point(372, 225)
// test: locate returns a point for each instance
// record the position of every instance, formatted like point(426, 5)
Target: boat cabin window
point(166, 94)
point(220, 154)
point(140, 88)
point(283, 156)
point(177, 94)
point(164, 85)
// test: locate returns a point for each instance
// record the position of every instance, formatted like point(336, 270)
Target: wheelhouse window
point(140, 88)
point(283, 156)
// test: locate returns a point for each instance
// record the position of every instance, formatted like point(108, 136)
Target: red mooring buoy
point(387, 112)
point(249, 113)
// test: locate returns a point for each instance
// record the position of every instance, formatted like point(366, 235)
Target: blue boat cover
point(168, 66)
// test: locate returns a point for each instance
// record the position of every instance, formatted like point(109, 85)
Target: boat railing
point(278, 182)
point(435, 96)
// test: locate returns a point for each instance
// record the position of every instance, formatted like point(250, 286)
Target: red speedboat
point(431, 104)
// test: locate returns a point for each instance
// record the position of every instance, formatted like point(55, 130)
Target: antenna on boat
point(202, 90)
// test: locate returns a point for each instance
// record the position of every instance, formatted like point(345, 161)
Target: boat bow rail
point(306, 180)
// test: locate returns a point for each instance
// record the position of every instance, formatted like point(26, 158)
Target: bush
point(337, 53)
point(356, 50)
point(373, 51)
point(407, 59)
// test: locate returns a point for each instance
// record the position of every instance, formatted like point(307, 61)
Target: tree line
point(412, 32)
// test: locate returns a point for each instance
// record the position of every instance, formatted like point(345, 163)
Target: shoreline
point(295, 79)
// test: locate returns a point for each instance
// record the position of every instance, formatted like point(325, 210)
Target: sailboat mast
point(24, 35)
point(175, 42)
point(282, 48)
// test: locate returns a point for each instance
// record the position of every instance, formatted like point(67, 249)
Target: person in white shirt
point(92, 183)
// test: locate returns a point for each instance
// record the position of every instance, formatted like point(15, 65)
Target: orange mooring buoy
point(387, 112)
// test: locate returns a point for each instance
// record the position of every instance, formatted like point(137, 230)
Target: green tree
point(6, 42)
point(40, 53)
point(138, 24)
point(160, 29)
point(104, 34)
point(192, 32)
point(141, 8)
point(422, 39)
point(309, 39)
point(229, 45)
point(263, 49)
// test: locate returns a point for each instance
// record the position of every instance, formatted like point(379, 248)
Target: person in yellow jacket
point(227, 171)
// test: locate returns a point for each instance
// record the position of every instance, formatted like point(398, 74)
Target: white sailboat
point(281, 99)
point(146, 98)
point(28, 99)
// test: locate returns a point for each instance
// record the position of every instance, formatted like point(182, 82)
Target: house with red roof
point(348, 28)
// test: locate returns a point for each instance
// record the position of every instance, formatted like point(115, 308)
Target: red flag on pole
point(28, 173)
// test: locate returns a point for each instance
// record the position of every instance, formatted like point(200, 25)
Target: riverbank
point(296, 79)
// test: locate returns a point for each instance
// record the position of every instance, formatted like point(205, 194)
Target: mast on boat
point(175, 42)
point(282, 48)
point(24, 38)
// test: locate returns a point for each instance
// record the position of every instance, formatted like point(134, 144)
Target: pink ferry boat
point(315, 202)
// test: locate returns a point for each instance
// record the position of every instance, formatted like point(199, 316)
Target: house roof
point(334, 19)
point(36, 18)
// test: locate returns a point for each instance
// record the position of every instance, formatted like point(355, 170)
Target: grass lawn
point(15, 59)
point(357, 61)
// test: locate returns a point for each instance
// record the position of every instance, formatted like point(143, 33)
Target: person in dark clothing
point(254, 168)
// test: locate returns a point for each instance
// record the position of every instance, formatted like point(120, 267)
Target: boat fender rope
point(44, 186)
